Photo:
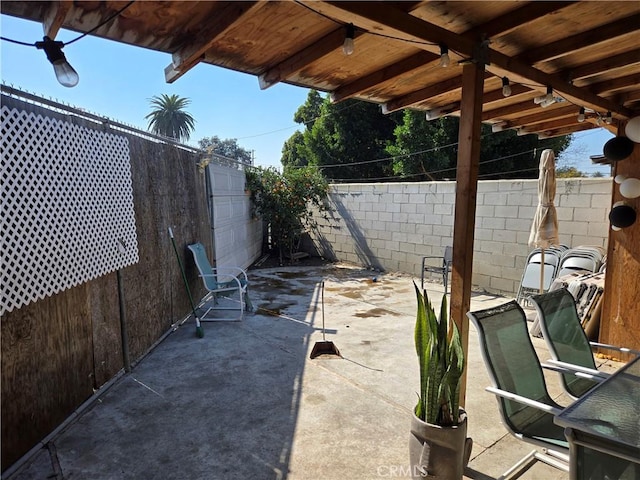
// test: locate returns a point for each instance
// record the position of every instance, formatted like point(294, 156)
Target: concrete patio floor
point(246, 401)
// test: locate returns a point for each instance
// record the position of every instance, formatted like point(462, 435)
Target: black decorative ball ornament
point(618, 148)
point(622, 216)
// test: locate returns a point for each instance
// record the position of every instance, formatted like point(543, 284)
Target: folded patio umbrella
point(544, 230)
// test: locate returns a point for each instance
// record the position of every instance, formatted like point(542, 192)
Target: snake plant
point(441, 363)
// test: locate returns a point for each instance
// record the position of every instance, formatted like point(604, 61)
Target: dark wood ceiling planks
point(589, 52)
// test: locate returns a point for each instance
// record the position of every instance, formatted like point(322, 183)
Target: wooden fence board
point(49, 347)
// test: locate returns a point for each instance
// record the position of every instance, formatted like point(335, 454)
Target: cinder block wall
point(391, 226)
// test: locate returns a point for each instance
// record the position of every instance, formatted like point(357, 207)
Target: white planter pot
point(439, 453)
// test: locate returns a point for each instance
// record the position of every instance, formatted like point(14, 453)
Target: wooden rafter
point(542, 115)
point(190, 54)
point(615, 84)
point(580, 40)
point(385, 74)
point(304, 57)
point(606, 64)
point(494, 27)
point(395, 22)
point(54, 17)
point(516, 18)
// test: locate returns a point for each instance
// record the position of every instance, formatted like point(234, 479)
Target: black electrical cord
point(17, 42)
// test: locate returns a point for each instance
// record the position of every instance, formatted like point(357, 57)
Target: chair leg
point(550, 457)
point(445, 279)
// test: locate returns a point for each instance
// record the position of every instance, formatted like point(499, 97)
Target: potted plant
point(438, 447)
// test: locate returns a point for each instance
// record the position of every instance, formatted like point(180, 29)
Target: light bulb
point(608, 118)
point(581, 115)
point(630, 188)
point(506, 88)
point(445, 61)
point(347, 45)
point(65, 73)
point(620, 178)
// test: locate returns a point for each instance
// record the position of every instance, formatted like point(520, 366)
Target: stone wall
point(390, 226)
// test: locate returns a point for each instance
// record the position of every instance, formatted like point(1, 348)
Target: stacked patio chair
point(567, 342)
point(583, 258)
point(534, 268)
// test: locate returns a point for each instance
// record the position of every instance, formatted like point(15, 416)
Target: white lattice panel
point(67, 206)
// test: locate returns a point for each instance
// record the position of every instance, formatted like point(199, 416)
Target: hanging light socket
point(581, 115)
point(445, 61)
point(347, 46)
point(65, 73)
point(506, 88)
point(608, 118)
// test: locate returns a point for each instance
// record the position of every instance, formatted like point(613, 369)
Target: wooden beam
point(387, 73)
point(606, 64)
point(327, 44)
point(544, 114)
point(418, 96)
point(465, 206)
point(514, 19)
point(499, 25)
point(581, 40)
point(556, 132)
point(513, 109)
point(387, 20)
point(190, 54)
point(615, 84)
point(554, 124)
point(54, 17)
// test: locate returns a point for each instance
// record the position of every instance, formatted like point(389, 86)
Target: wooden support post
point(465, 208)
point(620, 317)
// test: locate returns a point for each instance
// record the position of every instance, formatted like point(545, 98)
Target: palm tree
point(168, 117)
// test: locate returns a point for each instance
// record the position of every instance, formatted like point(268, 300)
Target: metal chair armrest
point(599, 377)
point(578, 369)
point(225, 289)
point(524, 400)
point(613, 347)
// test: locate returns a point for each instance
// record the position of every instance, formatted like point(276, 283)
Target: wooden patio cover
point(581, 54)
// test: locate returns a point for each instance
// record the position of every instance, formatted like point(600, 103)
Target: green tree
point(428, 150)
point(423, 149)
point(169, 118)
point(285, 202)
point(227, 148)
point(348, 139)
point(569, 172)
point(308, 112)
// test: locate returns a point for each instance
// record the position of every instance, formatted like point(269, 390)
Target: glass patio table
point(603, 428)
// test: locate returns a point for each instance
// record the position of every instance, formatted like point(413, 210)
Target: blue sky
point(117, 80)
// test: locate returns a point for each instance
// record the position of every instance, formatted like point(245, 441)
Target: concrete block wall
point(391, 226)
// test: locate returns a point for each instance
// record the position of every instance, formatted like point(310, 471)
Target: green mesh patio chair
point(227, 282)
point(526, 408)
point(568, 343)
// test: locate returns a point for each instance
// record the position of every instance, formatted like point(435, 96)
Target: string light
point(581, 115)
point(545, 100)
point(445, 61)
point(347, 46)
point(506, 88)
point(65, 73)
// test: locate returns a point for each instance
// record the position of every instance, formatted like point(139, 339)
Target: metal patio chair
point(526, 408)
point(227, 282)
point(443, 269)
point(567, 341)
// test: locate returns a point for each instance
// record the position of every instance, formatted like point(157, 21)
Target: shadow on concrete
point(361, 244)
